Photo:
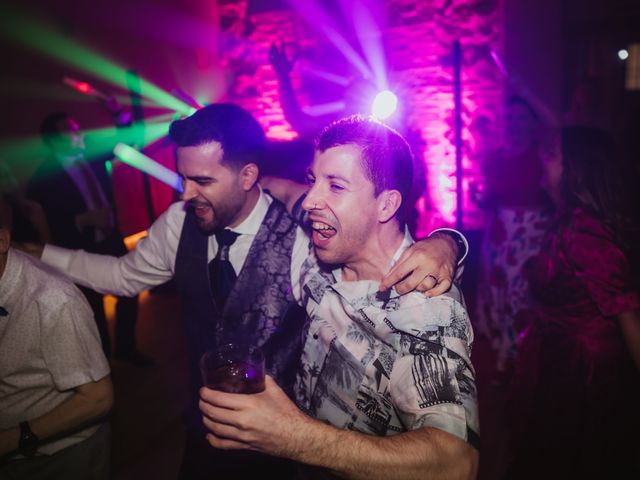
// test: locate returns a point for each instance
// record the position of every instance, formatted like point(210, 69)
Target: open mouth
point(200, 209)
point(322, 232)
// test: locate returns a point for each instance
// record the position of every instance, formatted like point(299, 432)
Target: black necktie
point(221, 272)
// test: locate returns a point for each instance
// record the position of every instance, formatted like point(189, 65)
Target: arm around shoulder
point(287, 191)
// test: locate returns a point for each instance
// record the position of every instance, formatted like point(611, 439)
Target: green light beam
point(38, 37)
point(134, 158)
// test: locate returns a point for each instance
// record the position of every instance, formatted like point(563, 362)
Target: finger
point(225, 443)
point(401, 269)
point(231, 401)
point(427, 283)
point(221, 429)
point(415, 281)
point(217, 414)
point(441, 287)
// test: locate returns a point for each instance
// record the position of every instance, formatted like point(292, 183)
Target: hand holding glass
point(233, 368)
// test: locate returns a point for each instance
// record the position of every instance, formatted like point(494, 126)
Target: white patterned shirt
point(385, 364)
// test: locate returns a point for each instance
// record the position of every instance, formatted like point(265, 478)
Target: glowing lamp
point(83, 87)
point(623, 54)
point(384, 105)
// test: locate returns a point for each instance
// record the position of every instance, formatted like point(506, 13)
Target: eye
point(311, 180)
point(335, 187)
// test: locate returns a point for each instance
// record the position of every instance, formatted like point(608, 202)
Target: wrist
point(28, 442)
point(457, 241)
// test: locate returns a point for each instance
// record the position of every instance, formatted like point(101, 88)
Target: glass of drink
point(233, 368)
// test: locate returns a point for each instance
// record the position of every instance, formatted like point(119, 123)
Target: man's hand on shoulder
point(426, 266)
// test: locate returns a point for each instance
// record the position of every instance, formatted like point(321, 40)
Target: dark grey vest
point(260, 309)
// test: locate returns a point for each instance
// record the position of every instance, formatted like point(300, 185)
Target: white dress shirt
point(152, 262)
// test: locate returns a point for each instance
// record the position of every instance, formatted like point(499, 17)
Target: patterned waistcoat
point(260, 309)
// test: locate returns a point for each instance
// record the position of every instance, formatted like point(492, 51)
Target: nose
point(313, 200)
point(189, 190)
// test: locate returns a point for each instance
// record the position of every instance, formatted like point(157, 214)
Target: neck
point(249, 204)
point(375, 257)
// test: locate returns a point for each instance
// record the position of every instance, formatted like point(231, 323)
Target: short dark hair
point(241, 136)
point(52, 126)
point(386, 156)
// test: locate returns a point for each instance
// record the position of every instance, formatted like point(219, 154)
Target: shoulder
point(278, 219)
point(46, 285)
point(583, 234)
point(172, 218)
point(416, 314)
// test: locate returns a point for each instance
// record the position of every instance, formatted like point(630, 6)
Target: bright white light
point(623, 54)
point(384, 105)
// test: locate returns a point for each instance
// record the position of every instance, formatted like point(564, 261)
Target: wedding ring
point(435, 280)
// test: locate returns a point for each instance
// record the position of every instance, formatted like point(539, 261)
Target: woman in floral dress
point(575, 400)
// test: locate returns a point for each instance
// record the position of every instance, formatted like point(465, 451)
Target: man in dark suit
point(77, 198)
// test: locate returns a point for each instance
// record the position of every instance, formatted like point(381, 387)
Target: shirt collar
point(251, 224)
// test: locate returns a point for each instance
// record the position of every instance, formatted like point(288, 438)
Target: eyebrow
point(330, 176)
point(198, 178)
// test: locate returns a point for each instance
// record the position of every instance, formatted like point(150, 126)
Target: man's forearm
point(123, 276)
point(89, 403)
point(424, 453)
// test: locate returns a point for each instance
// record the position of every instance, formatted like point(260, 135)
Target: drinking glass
point(233, 368)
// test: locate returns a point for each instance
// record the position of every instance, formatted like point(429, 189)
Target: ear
point(248, 176)
point(389, 202)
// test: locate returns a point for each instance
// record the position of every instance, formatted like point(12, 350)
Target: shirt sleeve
point(150, 263)
point(459, 238)
point(433, 382)
point(71, 345)
point(602, 267)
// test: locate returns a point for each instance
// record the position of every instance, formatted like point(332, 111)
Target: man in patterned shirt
point(386, 387)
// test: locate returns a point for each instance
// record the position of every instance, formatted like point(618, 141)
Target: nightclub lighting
point(314, 12)
point(39, 37)
point(384, 105)
point(370, 39)
point(134, 158)
point(186, 98)
point(623, 54)
point(84, 87)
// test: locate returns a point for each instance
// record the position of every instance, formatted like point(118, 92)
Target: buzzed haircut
point(386, 156)
point(240, 135)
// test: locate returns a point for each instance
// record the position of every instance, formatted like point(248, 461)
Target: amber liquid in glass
point(236, 377)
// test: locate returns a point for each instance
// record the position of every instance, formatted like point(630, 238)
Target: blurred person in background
point(574, 400)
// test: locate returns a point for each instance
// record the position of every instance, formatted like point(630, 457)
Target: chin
point(207, 227)
point(327, 257)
